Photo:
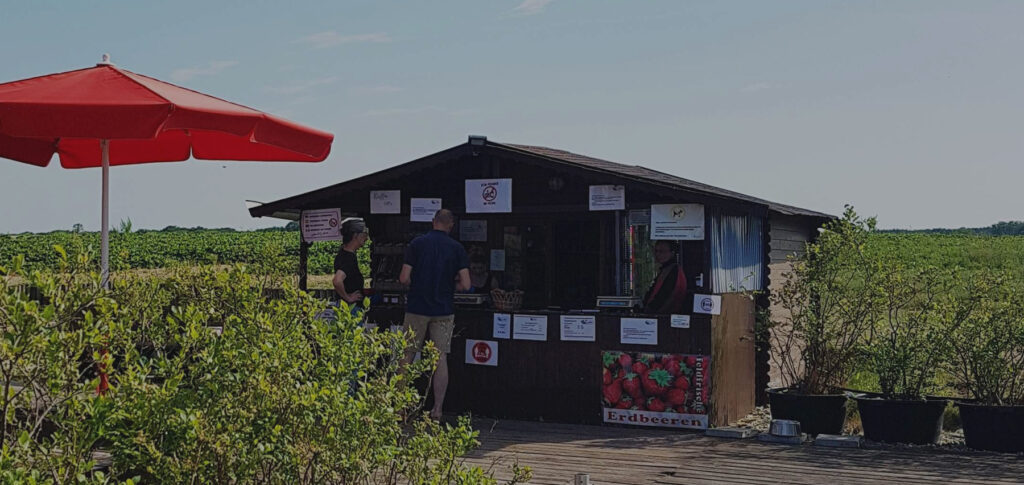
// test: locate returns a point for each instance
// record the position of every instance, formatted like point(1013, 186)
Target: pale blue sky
point(910, 110)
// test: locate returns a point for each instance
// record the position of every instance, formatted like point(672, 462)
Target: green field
point(159, 249)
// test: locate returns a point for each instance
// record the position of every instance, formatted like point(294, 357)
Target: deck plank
point(638, 456)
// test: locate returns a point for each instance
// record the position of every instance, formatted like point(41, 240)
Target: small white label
point(579, 328)
point(641, 331)
point(502, 325)
point(530, 327)
point(680, 321)
point(708, 304)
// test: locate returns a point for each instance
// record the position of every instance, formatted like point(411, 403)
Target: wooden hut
point(574, 235)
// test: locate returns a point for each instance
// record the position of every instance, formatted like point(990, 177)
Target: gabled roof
point(646, 174)
point(633, 172)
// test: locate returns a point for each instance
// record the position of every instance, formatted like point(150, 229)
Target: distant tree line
point(1010, 228)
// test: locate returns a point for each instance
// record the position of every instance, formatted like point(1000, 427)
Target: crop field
point(160, 249)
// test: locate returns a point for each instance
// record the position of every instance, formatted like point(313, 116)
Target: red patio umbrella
point(104, 115)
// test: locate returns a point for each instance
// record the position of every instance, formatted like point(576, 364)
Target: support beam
point(303, 262)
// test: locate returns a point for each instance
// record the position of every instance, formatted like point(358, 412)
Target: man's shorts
point(440, 330)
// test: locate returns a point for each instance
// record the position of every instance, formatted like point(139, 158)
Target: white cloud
point(302, 86)
point(531, 7)
point(209, 69)
point(753, 88)
point(330, 38)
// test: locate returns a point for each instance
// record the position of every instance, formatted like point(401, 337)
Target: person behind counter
point(668, 290)
point(436, 266)
point(480, 277)
point(348, 279)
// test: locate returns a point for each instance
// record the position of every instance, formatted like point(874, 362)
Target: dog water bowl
point(784, 427)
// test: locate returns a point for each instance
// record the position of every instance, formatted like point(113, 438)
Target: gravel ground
point(761, 418)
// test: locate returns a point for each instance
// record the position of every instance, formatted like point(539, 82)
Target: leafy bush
point(984, 339)
point(828, 303)
point(903, 346)
point(210, 382)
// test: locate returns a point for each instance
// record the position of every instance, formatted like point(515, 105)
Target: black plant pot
point(898, 421)
point(993, 428)
point(818, 414)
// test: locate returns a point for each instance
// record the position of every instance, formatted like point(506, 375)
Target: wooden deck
point(556, 452)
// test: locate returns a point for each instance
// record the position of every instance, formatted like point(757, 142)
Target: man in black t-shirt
point(348, 279)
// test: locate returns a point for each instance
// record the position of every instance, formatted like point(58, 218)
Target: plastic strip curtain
point(737, 253)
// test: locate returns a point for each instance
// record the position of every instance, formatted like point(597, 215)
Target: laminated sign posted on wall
point(423, 210)
point(385, 202)
point(488, 195)
point(679, 222)
point(321, 225)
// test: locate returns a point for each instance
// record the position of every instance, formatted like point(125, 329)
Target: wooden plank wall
point(732, 360)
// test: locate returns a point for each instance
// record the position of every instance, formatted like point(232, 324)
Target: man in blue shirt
point(433, 261)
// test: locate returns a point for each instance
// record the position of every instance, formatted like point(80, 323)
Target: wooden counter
point(553, 380)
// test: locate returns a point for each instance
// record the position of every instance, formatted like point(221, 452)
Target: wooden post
point(303, 262)
point(732, 360)
point(582, 479)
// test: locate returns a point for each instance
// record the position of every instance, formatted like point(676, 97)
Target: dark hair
point(672, 245)
point(444, 216)
point(350, 228)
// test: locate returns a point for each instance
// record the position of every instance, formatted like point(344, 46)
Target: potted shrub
point(822, 311)
point(985, 358)
point(902, 350)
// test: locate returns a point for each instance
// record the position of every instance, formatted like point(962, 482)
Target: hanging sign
point(607, 197)
point(482, 352)
point(530, 327)
point(423, 210)
point(488, 195)
point(709, 304)
point(680, 321)
point(680, 222)
point(502, 325)
point(473, 230)
point(385, 202)
point(640, 331)
point(579, 328)
point(321, 225)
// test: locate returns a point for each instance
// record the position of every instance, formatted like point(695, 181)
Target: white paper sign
point(502, 325)
point(472, 230)
point(579, 328)
point(710, 304)
point(680, 222)
point(642, 331)
point(385, 202)
point(680, 321)
point(607, 197)
point(321, 225)
point(423, 210)
point(482, 352)
point(497, 260)
point(530, 327)
point(488, 195)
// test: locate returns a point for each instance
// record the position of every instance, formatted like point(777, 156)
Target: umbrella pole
point(105, 218)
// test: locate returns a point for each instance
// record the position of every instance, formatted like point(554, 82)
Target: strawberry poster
point(653, 389)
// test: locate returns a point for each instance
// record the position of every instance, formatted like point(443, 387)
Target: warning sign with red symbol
point(488, 195)
point(482, 352)
point(321, 225)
